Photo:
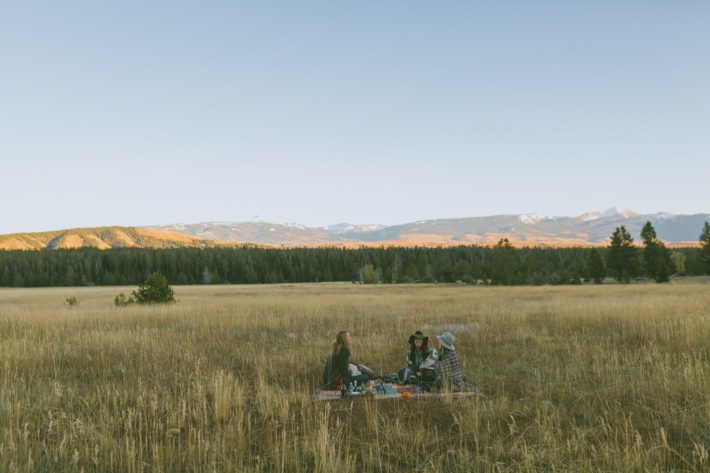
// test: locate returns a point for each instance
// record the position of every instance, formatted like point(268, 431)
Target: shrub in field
point(121, 300)
point(72, 301)
point(155, 290)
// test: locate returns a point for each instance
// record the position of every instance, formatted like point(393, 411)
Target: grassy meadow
point(611, 378)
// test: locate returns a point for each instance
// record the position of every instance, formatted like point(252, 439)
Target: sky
point(147, 113)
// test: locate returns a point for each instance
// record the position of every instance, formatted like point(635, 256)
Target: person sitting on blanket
point(338, 368)
point(421, 360)
point(448, 367)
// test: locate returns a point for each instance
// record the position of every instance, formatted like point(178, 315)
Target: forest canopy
point(498, 265)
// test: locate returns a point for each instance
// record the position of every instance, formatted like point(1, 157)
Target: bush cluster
point(155, 290)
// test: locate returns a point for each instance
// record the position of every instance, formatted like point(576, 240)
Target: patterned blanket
point(393, 391)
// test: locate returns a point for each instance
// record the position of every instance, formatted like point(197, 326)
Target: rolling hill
point(101, 238)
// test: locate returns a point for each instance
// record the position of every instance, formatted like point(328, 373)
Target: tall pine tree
point(622, 258)
point(595, 267)
point(658, 263)
point(650, 253)
point(665, 267)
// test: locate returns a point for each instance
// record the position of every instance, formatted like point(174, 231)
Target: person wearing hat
point(421, 360)
point(448, 368)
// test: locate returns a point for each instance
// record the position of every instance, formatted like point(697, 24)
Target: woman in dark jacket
point(338, 367)
point(421, 361)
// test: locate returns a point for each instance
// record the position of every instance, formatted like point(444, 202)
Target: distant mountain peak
point(610, 212)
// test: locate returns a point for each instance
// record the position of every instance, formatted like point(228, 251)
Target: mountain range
point(592, 228)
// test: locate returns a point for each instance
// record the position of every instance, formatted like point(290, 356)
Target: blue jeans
point(361, 378)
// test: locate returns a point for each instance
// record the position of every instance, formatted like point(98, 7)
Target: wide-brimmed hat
point(447, 340)
point(418, 334)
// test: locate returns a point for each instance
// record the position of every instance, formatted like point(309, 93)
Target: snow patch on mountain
point(340, 228)
point(529, 219)
point(663, 216)
point(626, 213)
point(608, 213)
point(299, 226)
point(532, 219)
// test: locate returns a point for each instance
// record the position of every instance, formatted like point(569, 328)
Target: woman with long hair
point(338, 368)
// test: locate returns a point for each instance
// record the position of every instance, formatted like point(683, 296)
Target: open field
point(613, 378)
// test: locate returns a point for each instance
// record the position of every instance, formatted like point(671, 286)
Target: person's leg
point(361, 378)
point(428, 379)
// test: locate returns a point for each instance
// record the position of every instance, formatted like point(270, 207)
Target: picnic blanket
point(378, 390)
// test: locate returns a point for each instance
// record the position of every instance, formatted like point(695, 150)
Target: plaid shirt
point(449, 368)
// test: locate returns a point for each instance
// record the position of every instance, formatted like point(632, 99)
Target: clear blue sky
point(138, 113)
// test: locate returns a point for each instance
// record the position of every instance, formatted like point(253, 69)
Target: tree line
point(501, 264)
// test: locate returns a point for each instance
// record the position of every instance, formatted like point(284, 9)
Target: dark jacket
point(338, 368)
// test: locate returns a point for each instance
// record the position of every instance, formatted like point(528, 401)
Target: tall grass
point(576, 379)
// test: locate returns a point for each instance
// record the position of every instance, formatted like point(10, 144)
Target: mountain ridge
point(588, 229)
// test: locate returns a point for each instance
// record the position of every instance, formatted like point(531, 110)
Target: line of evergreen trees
point(498, 265)
point(655, 260)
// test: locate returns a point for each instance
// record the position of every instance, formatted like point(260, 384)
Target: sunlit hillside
point(102, 238)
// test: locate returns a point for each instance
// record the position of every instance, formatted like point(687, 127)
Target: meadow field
point(591, 378)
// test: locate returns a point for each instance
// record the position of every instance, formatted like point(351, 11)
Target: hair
point(424, 347)
point(340, 343)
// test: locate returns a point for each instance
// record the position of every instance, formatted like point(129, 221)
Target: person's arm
point(366, 370)
point(430, 361)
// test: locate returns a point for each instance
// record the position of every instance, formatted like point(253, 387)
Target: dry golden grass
point(577, 379)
